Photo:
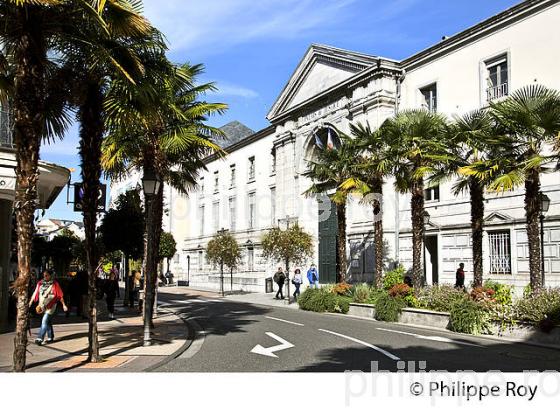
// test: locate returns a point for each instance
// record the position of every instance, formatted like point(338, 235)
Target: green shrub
point(361, 293)
point(411, 301)
point(502, 293)
point(342, 305)
point(393, 277)
point(388, 308)
point(323, 300)
point(439, 297)
point(375, 294)
point(468, 316)
point(541, 308)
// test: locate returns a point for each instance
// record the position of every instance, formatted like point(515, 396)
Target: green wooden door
point(327, 247)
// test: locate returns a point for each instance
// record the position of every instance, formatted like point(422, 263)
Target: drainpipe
point(398, 89)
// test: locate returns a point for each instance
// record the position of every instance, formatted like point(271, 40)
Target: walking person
point(460, 277)
point(47, 295)
point(313, 277)
point(297, 281)
point(279, 277)
point(112, 291)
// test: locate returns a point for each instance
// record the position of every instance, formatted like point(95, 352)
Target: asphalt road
point(228, 335)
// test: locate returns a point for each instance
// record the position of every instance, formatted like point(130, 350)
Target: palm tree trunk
point(91, 135)
point(341, 243)
point(28, 112)
point(477, 227)
point(532, 212)
point(154, 213)
point(417, 214)
point(378, 233)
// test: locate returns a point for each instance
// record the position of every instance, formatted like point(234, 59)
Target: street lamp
point(150, 185)
point(426, 217)
point(188, 269)
point(544, 205)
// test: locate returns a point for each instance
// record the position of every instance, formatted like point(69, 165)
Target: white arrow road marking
point(285, 321)
point(432, 338)
point(269, 351)
point(380, 350)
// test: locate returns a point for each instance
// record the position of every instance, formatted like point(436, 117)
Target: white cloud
point(232, 90)
point(212, 25)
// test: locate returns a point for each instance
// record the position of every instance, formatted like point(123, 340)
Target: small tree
point(167, 247)
point(293, 245)
point(224, 250)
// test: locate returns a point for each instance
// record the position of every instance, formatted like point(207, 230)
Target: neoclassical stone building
point(261, 183)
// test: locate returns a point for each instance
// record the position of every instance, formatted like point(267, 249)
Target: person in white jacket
point(297, 281)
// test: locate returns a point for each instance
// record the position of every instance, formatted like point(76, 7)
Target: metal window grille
point(201, 218)
point(500, 252)
point(251, 168)
point(497, 81)
point(252, 211)
point(5, 127)
point(232, 213)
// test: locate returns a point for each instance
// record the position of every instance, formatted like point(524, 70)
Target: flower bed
point(489, 309)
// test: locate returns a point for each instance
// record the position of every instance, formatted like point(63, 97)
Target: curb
point(487, 337)
point(190, 338)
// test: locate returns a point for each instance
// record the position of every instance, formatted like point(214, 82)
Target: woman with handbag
point(47, 295)
point(297, 281)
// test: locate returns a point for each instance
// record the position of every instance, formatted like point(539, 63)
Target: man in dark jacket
point(279, 278)
point(460, 277)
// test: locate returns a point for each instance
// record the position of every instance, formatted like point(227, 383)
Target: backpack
point(276, 277)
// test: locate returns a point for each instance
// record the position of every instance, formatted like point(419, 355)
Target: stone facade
point(332, 88)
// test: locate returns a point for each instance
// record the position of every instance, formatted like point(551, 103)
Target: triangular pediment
point(497, 217)
point(321, 68)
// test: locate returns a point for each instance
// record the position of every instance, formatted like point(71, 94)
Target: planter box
point(440, 320)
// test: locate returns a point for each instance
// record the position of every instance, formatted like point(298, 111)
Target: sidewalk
point(266, 299)
point(120, 344)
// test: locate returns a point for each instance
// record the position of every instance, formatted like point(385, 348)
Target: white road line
point(432, 338)
point(380, 350)
point(285, 321)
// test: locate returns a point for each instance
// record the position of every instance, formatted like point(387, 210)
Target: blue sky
point(250, 48)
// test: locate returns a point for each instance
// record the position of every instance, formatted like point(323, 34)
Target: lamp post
point(150, 185)
point(544, 205)
point(188, 269)
point(426, 218)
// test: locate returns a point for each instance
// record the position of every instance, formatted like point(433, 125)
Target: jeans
point(280, 287)
point(314, 284)
point(46, 327)
point(297, 293)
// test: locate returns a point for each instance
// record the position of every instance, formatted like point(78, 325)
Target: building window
point(232, 213)
point(273, 161)
point(200, 261)
point(252, 211)
point(216, 216)
point(232, 176)
point(201, 219)
point(250, 258)
point(497, 78)
point(429, 97)
point(432, 194)
point(216, 182)
point(273, 206)
point(252, 169)
point(201, 186)
point(500, 252)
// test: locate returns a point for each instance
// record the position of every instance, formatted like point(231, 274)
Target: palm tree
point(331, 168)
point(370, 167)
point(158, 126)
point(416, 144)
point(110, 52)
point(472, 140)
point(29, 29)
point(530, 119)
